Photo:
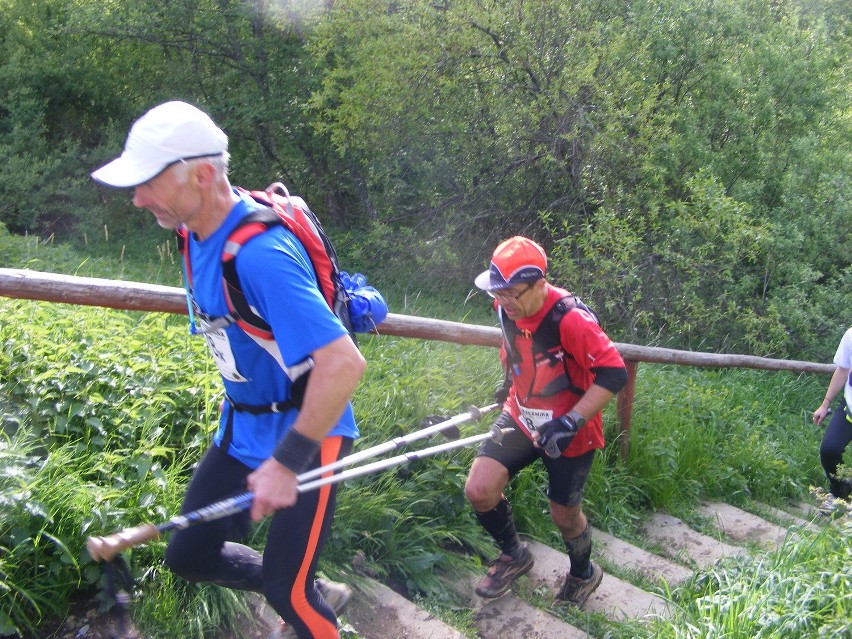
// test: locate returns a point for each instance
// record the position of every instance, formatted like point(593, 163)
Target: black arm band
point(611, 378)
point(295, 451)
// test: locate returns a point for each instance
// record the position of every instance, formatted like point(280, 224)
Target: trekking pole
point(473, 414)
point(494, 433)
point(106, 548)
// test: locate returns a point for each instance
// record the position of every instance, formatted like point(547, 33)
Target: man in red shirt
point(561, 370)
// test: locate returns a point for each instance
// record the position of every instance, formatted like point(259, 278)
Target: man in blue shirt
point(176, 160)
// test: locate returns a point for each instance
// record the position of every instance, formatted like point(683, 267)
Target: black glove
point(502, 393)
point(555, 435)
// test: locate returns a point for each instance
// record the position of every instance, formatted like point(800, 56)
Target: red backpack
point(280, 209)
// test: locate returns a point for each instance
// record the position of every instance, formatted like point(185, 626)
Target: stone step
point(630, 557)
point(509, 617)
point(679, 542)
point(615, 598)
point(790, 519)
point(807, 510)
point(375, 612)
point(742, 526)
point(378, 612)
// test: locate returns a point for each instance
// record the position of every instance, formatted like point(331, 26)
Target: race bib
point(532, 418)
point(220, 348)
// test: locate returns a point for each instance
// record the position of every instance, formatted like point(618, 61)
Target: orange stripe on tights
point(320, 627)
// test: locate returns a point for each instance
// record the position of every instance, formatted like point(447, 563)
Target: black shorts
point(566, 475)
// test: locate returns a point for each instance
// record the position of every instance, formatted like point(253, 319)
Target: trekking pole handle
point(105, 548)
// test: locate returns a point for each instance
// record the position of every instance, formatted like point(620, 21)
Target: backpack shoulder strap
point(295, 215)
point(252, 225)
point(546, 336)
point(281, 209)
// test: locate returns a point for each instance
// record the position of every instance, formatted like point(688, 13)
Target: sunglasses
point(509, 297)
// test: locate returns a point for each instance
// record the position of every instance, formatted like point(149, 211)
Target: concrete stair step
point(630, 557)
point(378, 612)
point(790, 519)
point(512, 618)
point(679, 542)
point(743, 526)
point(615, 598)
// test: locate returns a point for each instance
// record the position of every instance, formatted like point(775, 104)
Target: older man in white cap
point(176, 160)
point(560, 370)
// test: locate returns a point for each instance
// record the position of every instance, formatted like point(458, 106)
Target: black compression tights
point(284, 572)
point(837, 436)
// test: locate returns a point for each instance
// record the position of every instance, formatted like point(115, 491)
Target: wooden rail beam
point(137, 296)
point(624, 407)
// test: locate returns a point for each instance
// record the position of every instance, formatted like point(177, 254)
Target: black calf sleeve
point(580, 553)
point(500, 525)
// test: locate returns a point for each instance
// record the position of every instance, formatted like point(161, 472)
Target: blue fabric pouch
point(367, 307)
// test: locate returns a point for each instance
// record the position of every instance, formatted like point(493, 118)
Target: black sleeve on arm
point(610, 378)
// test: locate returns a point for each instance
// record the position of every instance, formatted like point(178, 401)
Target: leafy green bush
point(100, 430)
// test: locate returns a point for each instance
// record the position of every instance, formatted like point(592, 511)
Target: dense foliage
point(687, 163)
point(103, 414)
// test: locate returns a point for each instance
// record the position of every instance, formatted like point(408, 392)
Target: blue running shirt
point(278, 281)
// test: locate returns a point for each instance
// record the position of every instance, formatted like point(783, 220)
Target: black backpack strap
point(266, 218)
point(510, 331)
point(546, 337)
point(297, 396)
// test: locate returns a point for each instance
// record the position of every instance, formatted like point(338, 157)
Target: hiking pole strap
point(120, 595)
point(472, 414)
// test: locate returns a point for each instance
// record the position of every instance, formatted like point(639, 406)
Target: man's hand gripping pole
point(106, 548)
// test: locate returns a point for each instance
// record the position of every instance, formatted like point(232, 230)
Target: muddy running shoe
point(336, 595)
point(503, 572)
point(832, 507)
point(283, 631)
point(576, 591)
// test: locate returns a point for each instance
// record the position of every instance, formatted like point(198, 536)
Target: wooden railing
point(136, 296)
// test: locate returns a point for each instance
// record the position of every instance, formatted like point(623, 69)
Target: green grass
point(104, 413)
point(801, 590)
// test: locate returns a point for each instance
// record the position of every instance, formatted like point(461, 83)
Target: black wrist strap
point(295, 451)
point(578, 418)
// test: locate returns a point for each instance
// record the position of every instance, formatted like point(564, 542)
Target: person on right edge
point(561, 371)
point(838, 434)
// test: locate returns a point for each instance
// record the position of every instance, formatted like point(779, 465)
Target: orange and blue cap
point(517, 260)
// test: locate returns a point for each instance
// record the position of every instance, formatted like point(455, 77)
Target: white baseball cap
point(166, 134)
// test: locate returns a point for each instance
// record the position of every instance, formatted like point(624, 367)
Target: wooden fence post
point(624, 407)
